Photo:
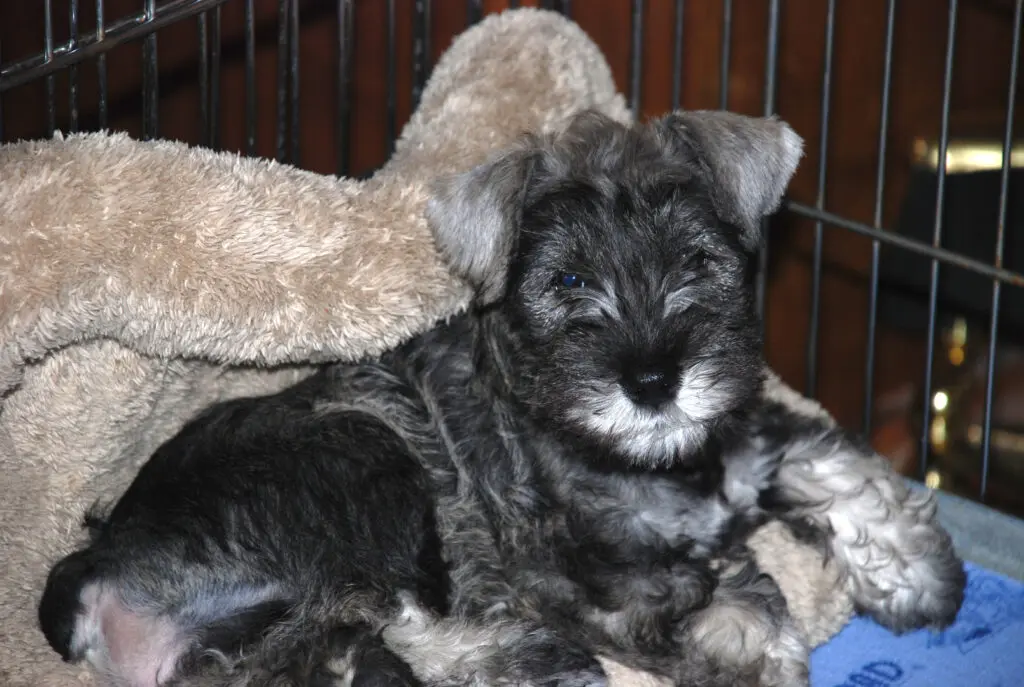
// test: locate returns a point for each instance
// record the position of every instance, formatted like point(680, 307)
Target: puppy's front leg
point(744, 637)
point(899, 563)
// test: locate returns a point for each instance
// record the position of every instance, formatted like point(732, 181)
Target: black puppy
point(547, 478)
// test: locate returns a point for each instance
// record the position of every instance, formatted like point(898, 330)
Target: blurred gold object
point(967, 155)
point(938, 435)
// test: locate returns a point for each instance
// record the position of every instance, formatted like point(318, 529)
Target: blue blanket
point(983, 648)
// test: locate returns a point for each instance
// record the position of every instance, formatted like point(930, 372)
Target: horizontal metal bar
point(114, 34)
point(900, 241)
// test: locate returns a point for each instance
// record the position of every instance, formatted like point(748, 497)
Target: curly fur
point(570, 470)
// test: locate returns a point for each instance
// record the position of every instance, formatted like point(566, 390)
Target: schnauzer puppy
point(565, 471)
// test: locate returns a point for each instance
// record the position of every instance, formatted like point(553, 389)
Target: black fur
point(568, 470)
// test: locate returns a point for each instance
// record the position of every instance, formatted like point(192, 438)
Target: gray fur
point(591, 444)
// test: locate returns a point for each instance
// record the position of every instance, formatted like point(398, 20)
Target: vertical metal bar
point(723, 74)
point(282, 79)
point(345, 32)
point(213, 123)
point(770, 72)
point(73, 69)
point(819, 204)
point(474, 11)
point(876, 246)
point(293, 77)
point(420, 49)
point(101, 67)
point(567, 8)
point(636, 54)
point(1004, 198)
point(677, 56)
point(513, 4)
point(933, 295)
point(390, 124)
point(204, 77)
point(1, 99)
point(51, 84)
point(250, 79)
point(150, 76)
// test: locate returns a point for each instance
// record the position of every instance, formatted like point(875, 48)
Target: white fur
point(896, 558)
point(659, 435)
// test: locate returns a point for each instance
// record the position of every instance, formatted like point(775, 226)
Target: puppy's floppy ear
point(748, 162)
point(475, 218)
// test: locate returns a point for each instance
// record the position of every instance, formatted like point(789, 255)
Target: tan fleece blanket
point(140, 282)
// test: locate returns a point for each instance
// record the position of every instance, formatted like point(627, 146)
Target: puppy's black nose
point(650, 386)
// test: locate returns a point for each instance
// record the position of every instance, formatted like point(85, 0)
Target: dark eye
point(571, 280)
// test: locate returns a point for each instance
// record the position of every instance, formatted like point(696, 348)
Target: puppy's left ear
point(748, 162)
point(475, 218)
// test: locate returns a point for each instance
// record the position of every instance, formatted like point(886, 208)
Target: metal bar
point(933, 294)
point(420, 49)
point(202, 25)
point(250, 79)
point(122, 31)
point(213, 123)
point(150, 80)
point(51, 94)
point(101, 66)
point(474, 11)
point(282, 80)
point(677, 56)
point(390, 123)
point(1, 99)
point(566, 8)
point(819, 238)
point(876, 245)
point(891, 238)
point(636, 55)
point(770, 73)
point(346, 18)
point(295, 120)
point(1004, 196)
point(723, 73)
point(513, 4)
point(73, 69)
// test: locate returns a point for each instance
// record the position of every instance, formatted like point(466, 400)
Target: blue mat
point(984, 648)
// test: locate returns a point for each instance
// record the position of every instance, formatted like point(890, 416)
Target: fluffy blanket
point(140, 282)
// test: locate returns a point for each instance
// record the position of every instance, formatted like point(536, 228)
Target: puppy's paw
point(899, 563)
point(359, 658)
point(745, 636)
point(905, 573)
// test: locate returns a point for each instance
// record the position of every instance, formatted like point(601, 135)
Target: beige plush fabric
point(140, 282)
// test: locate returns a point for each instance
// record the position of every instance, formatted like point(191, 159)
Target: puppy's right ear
point(475, 218)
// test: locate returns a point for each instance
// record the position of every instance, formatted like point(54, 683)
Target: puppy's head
point(619, 258)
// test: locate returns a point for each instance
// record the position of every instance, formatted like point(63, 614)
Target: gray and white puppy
point(549, 477)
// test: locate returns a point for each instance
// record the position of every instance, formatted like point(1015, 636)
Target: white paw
point(899, 564)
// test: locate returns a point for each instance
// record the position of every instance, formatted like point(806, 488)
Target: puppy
point(567, 470)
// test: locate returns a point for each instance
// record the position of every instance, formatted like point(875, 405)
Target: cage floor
point(984, 648)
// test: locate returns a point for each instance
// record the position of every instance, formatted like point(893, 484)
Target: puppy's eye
point(571, 280)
